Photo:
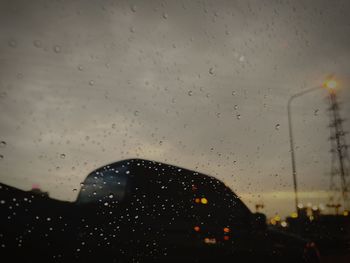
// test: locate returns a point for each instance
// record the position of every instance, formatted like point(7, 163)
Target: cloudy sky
point(199, 84)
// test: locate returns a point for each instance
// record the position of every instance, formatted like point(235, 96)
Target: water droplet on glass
point(241, 58)
point(111, 196)
point(2, 144)
point(63, 156)
point(37, 43)
point(91, 82)
point(3, 94)
point(133, 8)
point(277, 126)
point(316, 112)
point(165, 15)
point(80, 67)
point(238, 116)
point(132, 29)
point(1, 157)
point(12, 43)
point(136, 113)
point(57, 49)
point(211, 71)
point(74, 189)
point(190, 93)
point(233, 93)
point(235, 107)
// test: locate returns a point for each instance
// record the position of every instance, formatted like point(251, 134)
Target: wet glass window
point(122, 121)
point(111, 184)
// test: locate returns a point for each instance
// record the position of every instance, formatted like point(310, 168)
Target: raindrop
point(12, 43)
point(2, 202)
point(316, 112)
point(57, 49)
point(80, 67)
point(238, 116)
point(133, 8)
point(106, 204)
point(2, 144)
point(136, 113)
point(91, 82)
point(1, 157)
point(37, 43)
point(190, 93)
point(3, 94)
point(233, 93)
point(277, 126)
point(165, 15)
point(241, 58)
point(62, 156)
point(74, 189)
point(111, 196)
point(132, 29)
point(211, 71)
point(235, 107)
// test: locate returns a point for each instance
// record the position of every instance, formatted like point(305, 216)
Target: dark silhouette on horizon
point(143, 211)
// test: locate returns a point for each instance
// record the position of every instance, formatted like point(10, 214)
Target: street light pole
point(291, 141)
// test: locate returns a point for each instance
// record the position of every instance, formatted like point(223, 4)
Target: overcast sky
point(198, 84)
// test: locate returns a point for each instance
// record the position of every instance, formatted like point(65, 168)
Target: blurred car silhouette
point(143, 211)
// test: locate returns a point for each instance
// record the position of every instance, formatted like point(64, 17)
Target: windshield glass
point(236, 110)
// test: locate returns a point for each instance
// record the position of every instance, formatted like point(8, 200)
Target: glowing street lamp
point(330, 84)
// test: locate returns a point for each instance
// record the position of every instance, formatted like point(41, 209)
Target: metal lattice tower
point(340, 165)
